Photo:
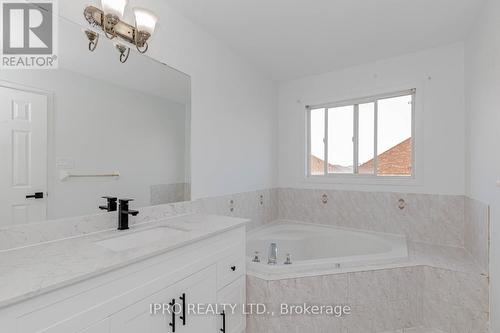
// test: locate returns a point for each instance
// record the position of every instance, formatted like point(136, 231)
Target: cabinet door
point(199, 290)
point(138, 317)
point(235, 295)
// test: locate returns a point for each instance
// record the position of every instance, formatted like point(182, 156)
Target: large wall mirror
point(94, 127)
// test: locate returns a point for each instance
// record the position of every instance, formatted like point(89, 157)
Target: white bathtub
point(316, 249)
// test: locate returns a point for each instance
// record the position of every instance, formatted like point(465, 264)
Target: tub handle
point(324, 199)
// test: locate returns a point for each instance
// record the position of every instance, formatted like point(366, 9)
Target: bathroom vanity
point(110, 281)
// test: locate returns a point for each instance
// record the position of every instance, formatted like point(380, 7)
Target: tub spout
point(288, 260)
point(273, 254)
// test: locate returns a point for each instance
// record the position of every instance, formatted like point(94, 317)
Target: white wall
point(233, 106)
point(438, 75)
point(483, 135)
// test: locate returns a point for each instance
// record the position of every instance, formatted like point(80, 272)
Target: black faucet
point(111, 206)
point(123, 213)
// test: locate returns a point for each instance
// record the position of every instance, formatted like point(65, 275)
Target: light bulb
point(145, 20)
point(114, 7)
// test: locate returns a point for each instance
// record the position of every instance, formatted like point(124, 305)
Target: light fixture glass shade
point(145, 20)
point(114, 7)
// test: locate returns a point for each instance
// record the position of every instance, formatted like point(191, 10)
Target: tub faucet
point(273, 254)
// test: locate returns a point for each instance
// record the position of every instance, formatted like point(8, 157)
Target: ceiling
point(294, 38)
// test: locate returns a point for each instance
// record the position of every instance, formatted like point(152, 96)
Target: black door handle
point(223, 329)
point(37, 195)
point(183, 317)
point(172, 309)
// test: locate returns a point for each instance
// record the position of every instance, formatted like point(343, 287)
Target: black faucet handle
point(111, 206)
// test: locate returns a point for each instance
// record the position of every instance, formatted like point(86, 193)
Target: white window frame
point(356, 176)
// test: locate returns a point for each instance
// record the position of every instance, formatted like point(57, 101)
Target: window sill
point(363, 180)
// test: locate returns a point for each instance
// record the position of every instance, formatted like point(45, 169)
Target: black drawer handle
point(233, 268)
point(223, 329)
point(172, 309)
point(183, 317)
point(37, 195)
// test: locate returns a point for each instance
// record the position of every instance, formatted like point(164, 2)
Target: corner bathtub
point(318, 249)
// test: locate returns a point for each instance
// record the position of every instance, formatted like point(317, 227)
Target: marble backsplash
point(258, 206)
point(46, 231)
point(169, 193)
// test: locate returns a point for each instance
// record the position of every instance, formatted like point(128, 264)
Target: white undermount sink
point(136, 239)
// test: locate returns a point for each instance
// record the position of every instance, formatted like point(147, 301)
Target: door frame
point(50, 136)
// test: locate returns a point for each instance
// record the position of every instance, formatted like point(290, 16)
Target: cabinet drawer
point(231, 267)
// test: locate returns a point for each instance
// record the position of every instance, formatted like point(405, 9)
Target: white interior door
point(23, 151)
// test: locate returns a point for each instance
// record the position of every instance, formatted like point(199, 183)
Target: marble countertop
point(30, 271)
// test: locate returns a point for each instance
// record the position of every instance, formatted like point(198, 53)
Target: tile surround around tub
point(477, 232)
point(437, 219)
point(383, 300)
point(455, 302)
point(388, 300)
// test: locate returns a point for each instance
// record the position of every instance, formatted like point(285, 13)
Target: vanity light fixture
point(110, 20)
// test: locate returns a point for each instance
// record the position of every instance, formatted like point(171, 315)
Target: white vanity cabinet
point(199, 288)
point(210, 271)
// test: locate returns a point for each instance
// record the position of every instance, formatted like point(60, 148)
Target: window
point(369, 137)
